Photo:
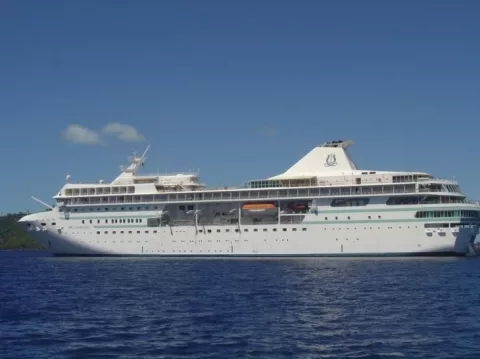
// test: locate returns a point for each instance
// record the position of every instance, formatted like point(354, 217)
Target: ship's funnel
point(328, 158)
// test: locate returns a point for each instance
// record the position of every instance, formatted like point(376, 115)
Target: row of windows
point(106, 209)
point(251, 184)
point(115, 220)
point(449, 225)
point(210, 231)
point(249, 195)
point(155, 222)
point(350, 202)
point(409, 178)
point(453, 188)
point(339, 202)
point(411, 200)
point(437, 214)
point(98, 190)
point(303, 229)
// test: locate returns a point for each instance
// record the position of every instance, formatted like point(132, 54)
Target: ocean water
point(238, 308)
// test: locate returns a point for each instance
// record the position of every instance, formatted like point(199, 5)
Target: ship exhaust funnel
point(328, 158)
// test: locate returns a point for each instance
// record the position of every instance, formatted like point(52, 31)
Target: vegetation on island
point(13, 237)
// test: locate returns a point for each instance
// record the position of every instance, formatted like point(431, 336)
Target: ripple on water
point(282, 308)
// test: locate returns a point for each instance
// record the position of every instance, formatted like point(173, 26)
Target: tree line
point(12, 236)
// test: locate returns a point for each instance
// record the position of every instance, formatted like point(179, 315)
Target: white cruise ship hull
point(378, 238)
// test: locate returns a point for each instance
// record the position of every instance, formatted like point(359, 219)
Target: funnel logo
point(331, 161)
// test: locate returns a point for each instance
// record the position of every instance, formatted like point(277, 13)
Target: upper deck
point(326, 166)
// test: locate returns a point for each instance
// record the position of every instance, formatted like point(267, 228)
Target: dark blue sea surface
point(238, 308)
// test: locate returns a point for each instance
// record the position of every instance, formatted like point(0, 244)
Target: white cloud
point(268, 131)
point(81, 135)
point(123, 132)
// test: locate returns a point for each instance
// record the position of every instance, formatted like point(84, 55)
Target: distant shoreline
point(22, 250)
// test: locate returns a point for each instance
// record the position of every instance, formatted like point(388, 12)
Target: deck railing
point(260, 194)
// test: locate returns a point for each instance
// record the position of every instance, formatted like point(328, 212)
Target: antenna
point(41, 202)
point(145, 152)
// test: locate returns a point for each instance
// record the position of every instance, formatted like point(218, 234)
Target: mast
point(135, 162)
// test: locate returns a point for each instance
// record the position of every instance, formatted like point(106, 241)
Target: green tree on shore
point(12, 236)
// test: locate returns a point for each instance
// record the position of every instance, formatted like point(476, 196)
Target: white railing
point(263, 194)
point(437, 179)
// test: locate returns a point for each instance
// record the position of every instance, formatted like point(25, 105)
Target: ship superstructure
point(322, 205)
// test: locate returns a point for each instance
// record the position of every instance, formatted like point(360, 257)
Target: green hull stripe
point(321, 212)
point(414, 220)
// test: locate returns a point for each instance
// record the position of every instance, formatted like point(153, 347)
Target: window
point(402, 200)
point(349, 202)
point(153, 222)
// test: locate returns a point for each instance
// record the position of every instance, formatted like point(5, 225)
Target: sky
point(238, 89)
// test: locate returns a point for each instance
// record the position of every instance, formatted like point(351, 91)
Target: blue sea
point(238, 308)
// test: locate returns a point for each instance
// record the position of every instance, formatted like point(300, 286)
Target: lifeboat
point(297, 207)
point(259, 207)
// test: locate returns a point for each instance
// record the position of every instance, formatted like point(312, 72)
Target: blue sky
point(240, 89)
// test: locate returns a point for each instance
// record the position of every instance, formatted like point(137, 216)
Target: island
point(13, 237)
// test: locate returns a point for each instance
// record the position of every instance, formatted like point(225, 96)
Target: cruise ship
point(323, 205)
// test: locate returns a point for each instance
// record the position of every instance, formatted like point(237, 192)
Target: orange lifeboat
point(258, 207)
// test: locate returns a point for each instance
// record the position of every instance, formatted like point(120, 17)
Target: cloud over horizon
point(81, 135)
point(85, 136)
point(123, 132)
